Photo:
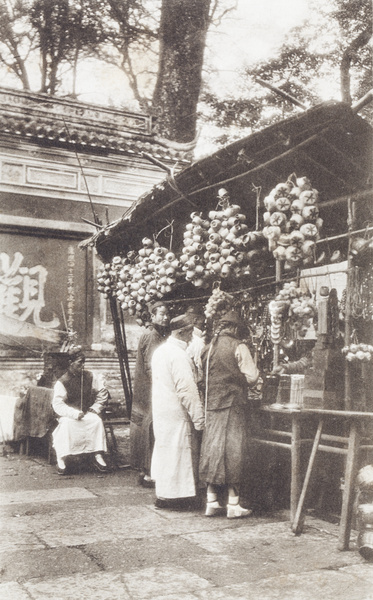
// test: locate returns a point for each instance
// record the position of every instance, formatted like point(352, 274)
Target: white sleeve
point(100, 393)
point(59, 405)
point(187, 391)
point(246, 364)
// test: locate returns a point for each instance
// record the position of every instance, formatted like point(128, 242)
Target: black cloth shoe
point(146, 483)
point(61, 471)
point(98, 466)
point(175, 503)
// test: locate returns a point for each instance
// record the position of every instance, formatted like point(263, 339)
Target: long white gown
point(87, 435)
point(177, 413)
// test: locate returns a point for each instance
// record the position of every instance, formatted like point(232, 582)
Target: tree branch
point(359, 42)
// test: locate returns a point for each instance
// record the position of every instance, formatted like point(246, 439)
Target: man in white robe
point(177, 415)
point(78, 399)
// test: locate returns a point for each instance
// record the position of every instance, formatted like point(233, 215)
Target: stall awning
point(330, 144)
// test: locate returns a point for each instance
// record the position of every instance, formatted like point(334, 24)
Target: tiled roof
point(66, 123)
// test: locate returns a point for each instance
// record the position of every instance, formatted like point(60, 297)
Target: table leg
point(295, 484)
point(348, 493)
point(297, 521)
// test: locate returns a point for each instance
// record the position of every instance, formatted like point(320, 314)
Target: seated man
point(78, 399)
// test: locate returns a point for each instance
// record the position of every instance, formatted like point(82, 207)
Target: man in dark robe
point(141, 426)
point(229, 371)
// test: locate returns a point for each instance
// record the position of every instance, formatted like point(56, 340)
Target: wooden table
point(293, 440)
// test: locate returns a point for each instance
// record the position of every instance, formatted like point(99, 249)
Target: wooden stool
point(109, 425)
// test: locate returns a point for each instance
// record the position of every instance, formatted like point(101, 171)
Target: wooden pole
point(348, 320)
point(297, 526)
point(281, 93)
point(362, 102)
point(126, 361)
point(121, 354)
point(349, 485)
point(276, 346)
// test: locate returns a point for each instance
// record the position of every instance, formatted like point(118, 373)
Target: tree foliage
point(336, 47)
point(159, 46)
point(17, 40)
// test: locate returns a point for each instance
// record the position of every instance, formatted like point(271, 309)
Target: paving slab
point(328, 585)
point(84, 525)
point(22, 542)
point(51, 495)
point(163, 581)
point(25, 565)
point(13, 591)
point(96, 586)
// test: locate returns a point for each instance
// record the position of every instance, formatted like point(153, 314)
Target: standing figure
point(177, 416)
point(141, 427)
point(78, 399)
point(197, 343)
point(228, 370)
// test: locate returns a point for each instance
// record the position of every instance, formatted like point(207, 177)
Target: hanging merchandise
point(139, 278)
point(106, 279)
point(358, 352)
point(218, 304)
point(196, 236)
point(293, 306)
point(255, 314)
point(220, 246)
point(292, 222)
point(361, 283)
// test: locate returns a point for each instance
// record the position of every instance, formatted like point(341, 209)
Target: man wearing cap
point(177, 415)
point(229, 371)
point(141, 428)
point(78, 399)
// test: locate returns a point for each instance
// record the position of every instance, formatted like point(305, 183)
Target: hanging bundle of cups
point(192, 255)
point(295, 307)
point(221, 246)
point(292, 222)
point(225, 252)
point(218, 304)
point(107, 277)
point(140, 278)
point(358, 352)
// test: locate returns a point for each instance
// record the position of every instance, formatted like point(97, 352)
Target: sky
point(250, 33)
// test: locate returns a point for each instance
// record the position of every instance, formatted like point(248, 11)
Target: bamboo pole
point(121, 354)
point(126, 361)
point(348, 321)
point(276, 345)
point(281, 93)
point(362, 102)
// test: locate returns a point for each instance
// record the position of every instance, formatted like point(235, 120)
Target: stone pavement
point(99, 537)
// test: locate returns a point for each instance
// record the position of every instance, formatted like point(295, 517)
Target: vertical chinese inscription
point(70, 287)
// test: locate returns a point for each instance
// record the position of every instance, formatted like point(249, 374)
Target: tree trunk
point(359, 42)
point(182, 36)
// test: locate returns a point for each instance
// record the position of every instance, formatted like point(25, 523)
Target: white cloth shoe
point(235, 511)
point(213, 509)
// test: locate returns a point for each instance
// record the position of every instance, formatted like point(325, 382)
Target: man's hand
point(279, 370)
